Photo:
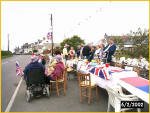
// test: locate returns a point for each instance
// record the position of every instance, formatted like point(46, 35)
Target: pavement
point(68, 103)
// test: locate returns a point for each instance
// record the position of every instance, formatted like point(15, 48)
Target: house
point(17, 50)
point(129, 42)
point(39, 45)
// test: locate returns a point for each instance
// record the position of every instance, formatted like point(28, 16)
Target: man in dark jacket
point(86, 51)
point(109, 50)
point(43, 60)
point(78, 51)
point(34, 64)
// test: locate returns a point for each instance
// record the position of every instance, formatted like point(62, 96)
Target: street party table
point(116, 74)
point(137, 86)
point(126, 78)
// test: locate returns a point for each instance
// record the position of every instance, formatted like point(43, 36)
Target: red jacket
point(57, 70)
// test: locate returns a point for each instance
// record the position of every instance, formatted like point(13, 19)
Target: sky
point(27, 21)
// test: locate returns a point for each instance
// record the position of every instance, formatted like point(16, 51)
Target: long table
point(116, 79)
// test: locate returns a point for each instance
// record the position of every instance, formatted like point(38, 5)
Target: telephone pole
point(8, 42)
point(52, 33)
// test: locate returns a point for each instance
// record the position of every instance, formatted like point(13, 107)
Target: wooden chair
point(85, 83)
point(59, 81)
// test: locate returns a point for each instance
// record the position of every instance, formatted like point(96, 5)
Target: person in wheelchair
point(34, 75)
point(33, 66)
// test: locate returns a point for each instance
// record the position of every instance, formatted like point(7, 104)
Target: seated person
point(34, 64)
point(57, 71)
point(57, 53)
point(92, 52)
point(43, 60)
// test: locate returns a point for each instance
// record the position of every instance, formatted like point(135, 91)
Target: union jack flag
point(101, 72)
point(49, 35)
point(18, 70)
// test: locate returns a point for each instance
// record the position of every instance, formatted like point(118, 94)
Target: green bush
point(35, 51)
point(6, 54)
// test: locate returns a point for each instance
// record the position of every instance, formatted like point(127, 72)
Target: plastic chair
point(122, 59)
point(85, 83)
point(116, 96)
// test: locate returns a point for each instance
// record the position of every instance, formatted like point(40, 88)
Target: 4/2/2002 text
point(132, 104)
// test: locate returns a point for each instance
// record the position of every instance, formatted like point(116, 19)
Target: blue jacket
point(110, 52)
point(30, 66)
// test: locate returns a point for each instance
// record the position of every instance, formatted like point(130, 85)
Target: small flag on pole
point(18, 70)
point(49, 35)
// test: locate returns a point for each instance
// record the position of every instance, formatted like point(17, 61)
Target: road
point(8, 77)
point(68, 103)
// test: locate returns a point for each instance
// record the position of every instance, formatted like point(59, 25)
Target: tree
point(119, 41)
point(140, 40)
point(73, 41)
point(35, 51)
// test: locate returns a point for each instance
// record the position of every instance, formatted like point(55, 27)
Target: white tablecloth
point(114, 79)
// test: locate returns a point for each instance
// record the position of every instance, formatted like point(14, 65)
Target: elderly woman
point(97, 52)
point(57, 71)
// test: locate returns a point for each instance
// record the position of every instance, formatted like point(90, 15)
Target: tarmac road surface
point(9, 81)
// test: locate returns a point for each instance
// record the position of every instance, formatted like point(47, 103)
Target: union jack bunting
point(18, 70)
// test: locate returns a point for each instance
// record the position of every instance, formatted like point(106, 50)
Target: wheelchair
point(36, 84)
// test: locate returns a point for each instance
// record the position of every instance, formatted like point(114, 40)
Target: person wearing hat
point(65, 53)
point(57, 53)
point(34, 64)
point(58, 69)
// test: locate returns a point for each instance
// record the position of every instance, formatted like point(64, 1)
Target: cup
point(107, 64)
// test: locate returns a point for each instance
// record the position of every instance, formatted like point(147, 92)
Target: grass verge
point(6, 54)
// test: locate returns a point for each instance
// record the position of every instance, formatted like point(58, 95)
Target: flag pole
point(52, 33)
